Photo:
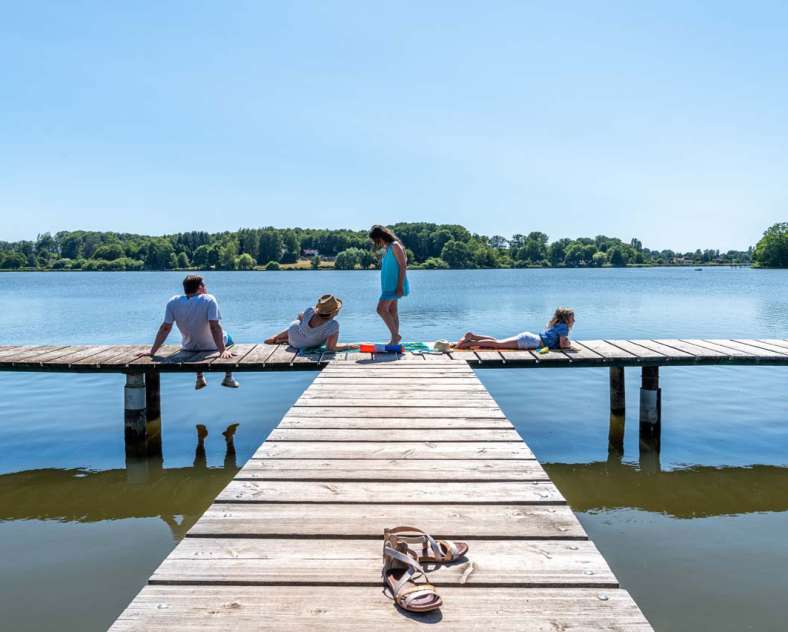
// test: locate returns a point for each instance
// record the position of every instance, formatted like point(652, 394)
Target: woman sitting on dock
point(314, 327)
point(556, 336)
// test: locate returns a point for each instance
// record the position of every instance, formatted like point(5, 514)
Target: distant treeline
point(429, 246)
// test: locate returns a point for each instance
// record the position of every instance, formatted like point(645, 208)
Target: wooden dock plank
point(450, 384)
point(777, 349)
point(755, 352)
point(550, 563)
point(334, 520)
point(391, 470)
point(707, 344)
point(378, 435)
point(606, 350)
point(58, 355)
point(292, 420)
point(506, 492)
point(525, 358)
point(783, 344)
point(398, 402)
point(669, 352)
point(85, 352)
point(392, 450)
point(258, 356)
point(702, 353)
point(240, 352)
point(320, 389)
point(640, 352)
point(364, 608)
point(400, 411)
point(28, 354)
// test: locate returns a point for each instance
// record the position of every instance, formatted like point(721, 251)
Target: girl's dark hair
point(382, 233)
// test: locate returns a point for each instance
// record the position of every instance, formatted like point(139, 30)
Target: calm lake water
point(697, 537)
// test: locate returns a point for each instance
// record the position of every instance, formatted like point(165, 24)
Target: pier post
point(650, 396)
point(152, 395)
point(650, 418)
point(617, 396)
point(615, 437)
point(135, 416)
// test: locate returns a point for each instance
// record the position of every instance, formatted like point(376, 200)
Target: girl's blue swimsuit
point(389, 277)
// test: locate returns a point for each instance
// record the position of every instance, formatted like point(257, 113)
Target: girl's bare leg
point(278, 339)
point(385, 313)
point(394, 311)
point(492, 343)
point(470, 339)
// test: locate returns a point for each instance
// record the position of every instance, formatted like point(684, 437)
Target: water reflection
point(143, 489)
point(690, 492)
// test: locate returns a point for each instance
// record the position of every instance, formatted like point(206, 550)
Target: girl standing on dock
point(393, 277)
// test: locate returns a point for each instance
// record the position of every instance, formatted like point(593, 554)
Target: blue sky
point(661, 120)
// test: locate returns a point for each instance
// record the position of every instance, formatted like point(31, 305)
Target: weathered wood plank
point(637, 350)
point(100, 358)
point(131, 355)
point(754, 352)
point(519, 357)
point(59, 356)
point(783, 344)
point(399, 402)
point(450, 384)
point(730, 353)
point(27, 354)
point(282, 355)
point(258, 356)
point(552, 356)
point(333, 520)
point(11, 350)
point(702, 353)
point(504, 492)
point(779, 350)
point(364, 608)
point(375, 374)
point(392, 450)
point(244, 561)
point(319, 390)
point(605, 349)
point(392, 470)
point(401, 411)
point(669, 352)
point(85, 353)
point(292, 420)
point(240, 352)
point(579, 353)
point(455, 435)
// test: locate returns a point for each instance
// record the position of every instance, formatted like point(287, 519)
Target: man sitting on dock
point(197, 315)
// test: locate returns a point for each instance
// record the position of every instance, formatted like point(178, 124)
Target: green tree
point(13, 261)
point(227, 256)
point(347, 259)
point(109, 252)
point(615, 256)
point(183, 260)
point(435, 263)
point(158, 255)
point(772, 249)
point(457, 254)
point(599, 259)
point(246, 262)
point(315, 263)
point(272, 266)
point(270, 245)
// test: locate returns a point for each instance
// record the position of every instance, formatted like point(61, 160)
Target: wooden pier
point(294, 541)
point(142, 389)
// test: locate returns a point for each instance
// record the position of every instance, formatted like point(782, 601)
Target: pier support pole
point(650, 419)
point(153, 415)
point(135, 416)
point(617, 398)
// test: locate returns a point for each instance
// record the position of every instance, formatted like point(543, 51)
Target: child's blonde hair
point(561, 315)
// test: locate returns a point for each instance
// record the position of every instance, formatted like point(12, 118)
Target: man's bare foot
point(395, 340)
point(202, 431)
point(230, 432)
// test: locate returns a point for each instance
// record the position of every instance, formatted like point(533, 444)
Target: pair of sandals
point(403, 573)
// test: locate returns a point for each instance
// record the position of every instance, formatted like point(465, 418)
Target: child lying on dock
point(314, 327)
point(556, 336)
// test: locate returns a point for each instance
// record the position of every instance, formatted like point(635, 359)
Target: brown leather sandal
point(400, 572)
point(431, 550)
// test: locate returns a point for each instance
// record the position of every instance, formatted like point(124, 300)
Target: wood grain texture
point(512, 493)
point(332, 520)
point(749, 349)
point(392, 470)
point(395, 402)
point(292, 420)
point(239, 561)
point(638, 351)
point(605, 349)
point(777, 349)
point(392, 450)
point(702, 353)
point(365, 608)
point(669, 352)
point(492, 412)
point(437, 435)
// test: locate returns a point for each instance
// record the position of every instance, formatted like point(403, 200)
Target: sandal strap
point(426, 538)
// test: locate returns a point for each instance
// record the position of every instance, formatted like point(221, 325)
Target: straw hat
point(328, 305)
